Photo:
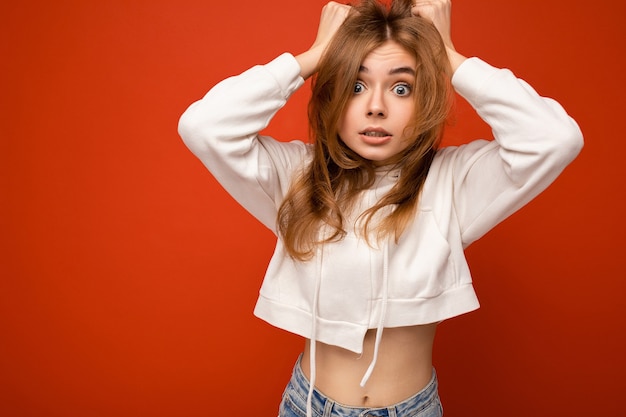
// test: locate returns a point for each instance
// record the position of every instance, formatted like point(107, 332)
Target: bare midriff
point(403, 367)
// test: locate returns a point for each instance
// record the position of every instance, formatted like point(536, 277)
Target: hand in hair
point(439, 12)
point(333, 15)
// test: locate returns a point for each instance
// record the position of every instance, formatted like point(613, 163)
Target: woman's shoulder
point(451, 157)
point(290, 154)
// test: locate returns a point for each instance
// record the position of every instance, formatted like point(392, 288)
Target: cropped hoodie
point(349, 287)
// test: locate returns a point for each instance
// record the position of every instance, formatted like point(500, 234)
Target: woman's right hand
point(333, 15)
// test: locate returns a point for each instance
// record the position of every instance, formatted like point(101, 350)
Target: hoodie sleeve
point(222, 130)
point(535, 140)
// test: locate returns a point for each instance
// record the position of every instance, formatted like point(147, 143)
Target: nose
point(376, 105)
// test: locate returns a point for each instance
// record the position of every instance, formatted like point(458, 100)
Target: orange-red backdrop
point(128, 276)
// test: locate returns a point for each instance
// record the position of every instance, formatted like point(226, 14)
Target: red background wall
point(128, 276)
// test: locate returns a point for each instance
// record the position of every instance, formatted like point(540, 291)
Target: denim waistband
point(320, 403)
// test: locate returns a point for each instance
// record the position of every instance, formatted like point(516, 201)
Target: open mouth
point(376, 134)
point(375, 137)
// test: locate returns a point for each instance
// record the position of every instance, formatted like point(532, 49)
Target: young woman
point(372, 218)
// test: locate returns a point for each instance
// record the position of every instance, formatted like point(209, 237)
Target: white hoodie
point(350, 287)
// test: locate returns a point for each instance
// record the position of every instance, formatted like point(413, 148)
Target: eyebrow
point(393, 71)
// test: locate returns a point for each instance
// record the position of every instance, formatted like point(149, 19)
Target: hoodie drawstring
point(383, 313)
point(379, 328)
point(313, 338)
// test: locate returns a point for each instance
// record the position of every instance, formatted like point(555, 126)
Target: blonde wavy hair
point(329, 186)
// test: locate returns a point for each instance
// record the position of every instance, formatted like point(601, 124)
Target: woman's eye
point(358, 87)
point(402, 89)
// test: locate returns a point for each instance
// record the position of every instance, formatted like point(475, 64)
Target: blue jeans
point(425, 403)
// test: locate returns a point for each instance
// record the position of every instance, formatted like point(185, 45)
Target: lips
point(375, 136)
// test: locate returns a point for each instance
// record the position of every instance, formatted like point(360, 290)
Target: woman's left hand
point(440, 13)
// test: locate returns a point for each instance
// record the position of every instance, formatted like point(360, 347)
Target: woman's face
point(381, 106)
